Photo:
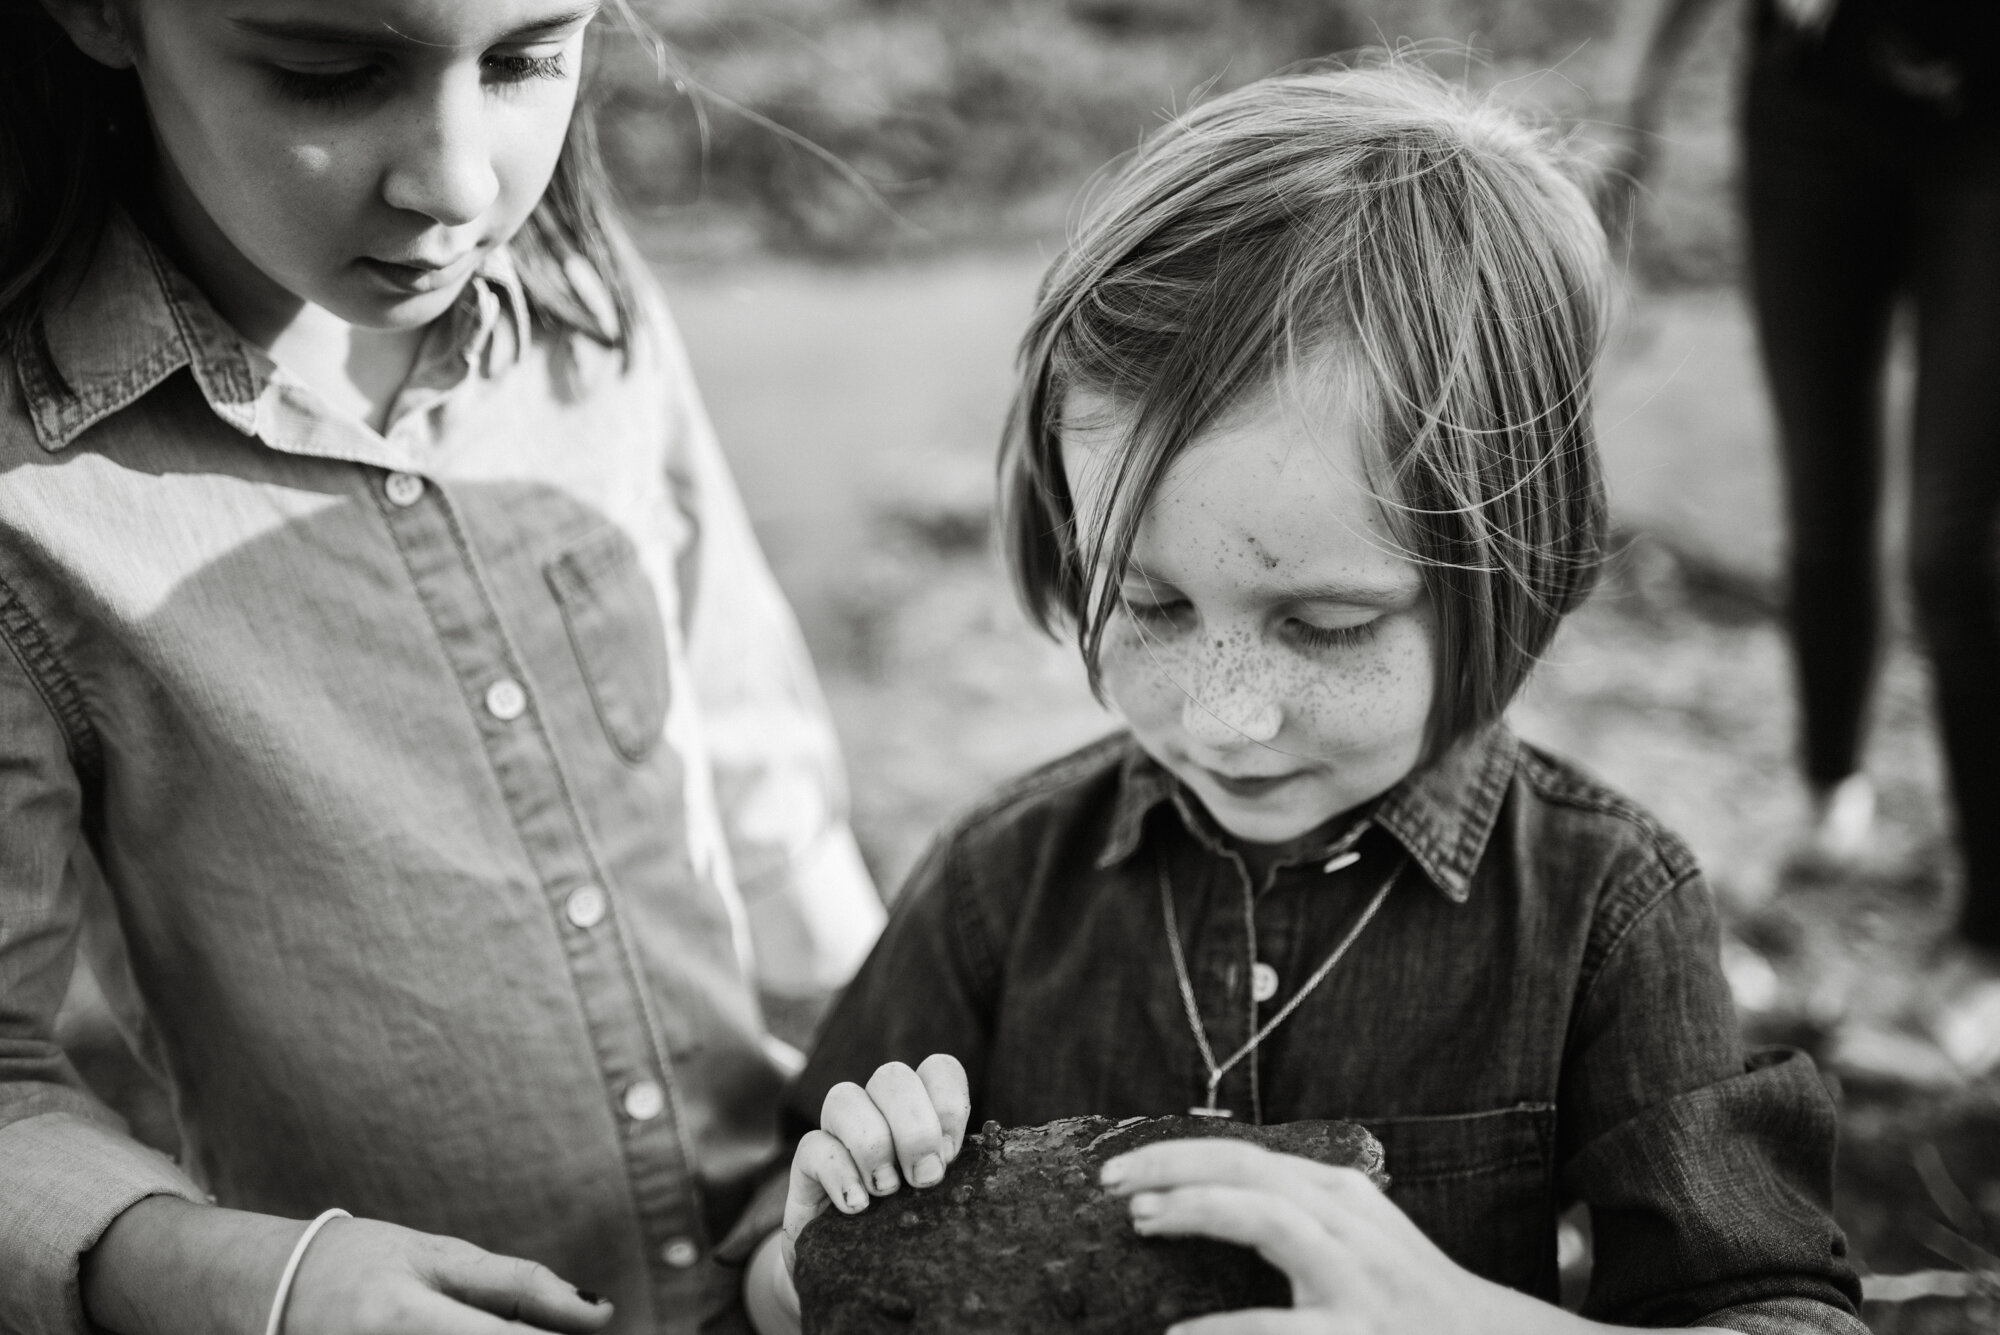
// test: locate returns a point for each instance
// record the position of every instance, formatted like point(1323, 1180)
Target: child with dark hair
point(1303, 455)
point(394, 704)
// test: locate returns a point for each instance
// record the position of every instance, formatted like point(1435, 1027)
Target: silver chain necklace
point(1263, 1031)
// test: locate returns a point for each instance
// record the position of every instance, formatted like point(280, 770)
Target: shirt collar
point(134, 319)
point(1443, 815)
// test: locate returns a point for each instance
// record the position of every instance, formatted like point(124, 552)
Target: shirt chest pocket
point(1482, 1187)
point(613, 617)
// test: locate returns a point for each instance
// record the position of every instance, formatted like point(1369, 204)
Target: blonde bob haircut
point(1429, 250)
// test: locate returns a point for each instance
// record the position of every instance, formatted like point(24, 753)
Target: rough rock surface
point(1019, 1238)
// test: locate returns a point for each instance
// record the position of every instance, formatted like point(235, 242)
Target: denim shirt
point(1535, 1016)
point(429, 802)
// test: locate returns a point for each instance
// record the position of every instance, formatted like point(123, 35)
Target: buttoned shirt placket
point(626, 1033)
point(618, 1008)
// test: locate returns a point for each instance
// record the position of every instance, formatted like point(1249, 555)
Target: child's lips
point(419, 276)
point(1249, 785)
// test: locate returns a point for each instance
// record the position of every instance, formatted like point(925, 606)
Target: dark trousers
point(1855, 202)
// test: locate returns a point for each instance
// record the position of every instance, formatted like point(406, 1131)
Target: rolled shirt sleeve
point(1787, 1316)
point(780, 790)
point(1708, 1176)
point(67, 1168)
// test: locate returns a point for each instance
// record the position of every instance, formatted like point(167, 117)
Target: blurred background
point(850, 203)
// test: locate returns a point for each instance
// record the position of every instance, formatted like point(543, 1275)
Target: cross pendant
point(1209, 1109)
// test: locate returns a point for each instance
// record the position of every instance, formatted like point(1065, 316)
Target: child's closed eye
point(1311, 635)
point(328, 87)
point(333, 86)
point(1159, 614)
point(520, 67)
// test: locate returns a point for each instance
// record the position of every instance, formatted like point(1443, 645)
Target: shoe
point(1969, 1031)
point(1843, 824)
point(1964, 1016)
point(1752, 981)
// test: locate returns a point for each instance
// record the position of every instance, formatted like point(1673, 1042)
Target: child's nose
point(1231, 717)
point(443, 166)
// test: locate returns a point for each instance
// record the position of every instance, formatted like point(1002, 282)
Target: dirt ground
point(860, 408)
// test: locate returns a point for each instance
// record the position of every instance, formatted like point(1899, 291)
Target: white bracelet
point(292, 1267)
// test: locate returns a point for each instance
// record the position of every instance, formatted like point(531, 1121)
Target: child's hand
point(1356, 1262)
point(905, 1125)
point(364, 1277)
point(167, 1265)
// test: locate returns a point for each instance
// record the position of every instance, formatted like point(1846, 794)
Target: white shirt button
point(585, 906)
point(505, 700)
point(404, 489)
point(645, 1100)
point(1263, 982)
point(680, 1253)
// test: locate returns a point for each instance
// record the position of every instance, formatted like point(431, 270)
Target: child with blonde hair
point(1303, 456)
point(394, 705)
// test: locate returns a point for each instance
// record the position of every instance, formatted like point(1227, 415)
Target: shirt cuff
point(1786, 1316)
point(1717, 1201)
point(67, 1178)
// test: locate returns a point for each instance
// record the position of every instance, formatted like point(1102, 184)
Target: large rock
point(1020, 1238)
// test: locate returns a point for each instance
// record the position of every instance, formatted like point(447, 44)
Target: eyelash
point(332, 89)
point(1332, 637)
point(1153, 614)
point(1307, 634)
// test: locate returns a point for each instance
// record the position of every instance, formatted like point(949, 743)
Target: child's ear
point(101, 29)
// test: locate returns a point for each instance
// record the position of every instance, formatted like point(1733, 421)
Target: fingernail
point(854, 1200)
point(1146, 1205)
point(594, 1299)
point(928, 1172)
point(885, 1180)
point(1113, 1173)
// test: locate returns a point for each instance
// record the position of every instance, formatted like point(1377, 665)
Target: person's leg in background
point(1955, 536)
point(1825, 201)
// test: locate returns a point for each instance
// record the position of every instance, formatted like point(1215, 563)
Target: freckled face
point(1272, 649)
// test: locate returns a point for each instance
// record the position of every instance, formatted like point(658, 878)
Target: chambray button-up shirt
point(428, 802)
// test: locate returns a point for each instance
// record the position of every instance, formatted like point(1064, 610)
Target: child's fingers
point(1182, 1163)
point(822, 1172)
point(1277, 1229)
point(850, 1116)
point(921, 1146)
point(512, 1288)
point(1338, 1198)
point(944, 1079)
point(426, 1312)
